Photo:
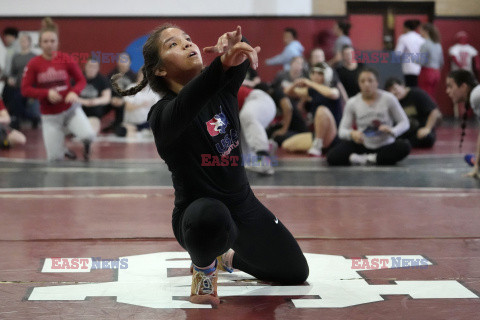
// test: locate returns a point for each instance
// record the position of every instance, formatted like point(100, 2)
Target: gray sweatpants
point(53, 129)
point(257, 112)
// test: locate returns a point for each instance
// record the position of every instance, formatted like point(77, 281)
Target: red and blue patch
point(218, 124)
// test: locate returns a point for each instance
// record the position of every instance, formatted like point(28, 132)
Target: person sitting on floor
point(421, 111)
point(324, 106)
point(8, 136)
point(379, 121)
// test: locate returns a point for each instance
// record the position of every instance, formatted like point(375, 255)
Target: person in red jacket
point(48, 78)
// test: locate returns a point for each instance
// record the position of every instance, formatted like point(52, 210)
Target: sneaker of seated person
point(363, 159)
point(316, 148)
point(261, 163)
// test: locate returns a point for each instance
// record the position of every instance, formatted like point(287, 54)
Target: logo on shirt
point(218, 124)
point(372, 129)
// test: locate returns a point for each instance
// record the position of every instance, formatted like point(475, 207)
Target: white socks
point(363, 159)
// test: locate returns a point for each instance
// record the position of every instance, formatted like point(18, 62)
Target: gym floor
point(422, 212)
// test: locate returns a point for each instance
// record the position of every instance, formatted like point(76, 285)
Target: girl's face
point(368, 83)
point(180, 56)
point(456, 93)
point(317, 77)
point(49, 42)
point(398, 91)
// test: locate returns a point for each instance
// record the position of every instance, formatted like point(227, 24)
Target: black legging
point(263, 246)
point(426, 142)
point(386, 155)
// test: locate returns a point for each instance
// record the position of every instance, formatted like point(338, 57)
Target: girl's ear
point(160, 73)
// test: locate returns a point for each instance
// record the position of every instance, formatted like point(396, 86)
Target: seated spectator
point(324, 106)
point(421, 111)
point(379, 120)
point(257, 110)
point(348, 71)
point(293, 48)
point(117, 102)
point(283, 79)
point(96, 95)
point(317, 55)
point(8, 136)
point(136, 110)
point(22, 108)
point(291, 121)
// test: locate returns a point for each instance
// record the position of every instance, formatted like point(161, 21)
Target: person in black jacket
point(197, 128)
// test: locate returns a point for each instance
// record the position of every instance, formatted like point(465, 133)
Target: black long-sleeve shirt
point(197, 131)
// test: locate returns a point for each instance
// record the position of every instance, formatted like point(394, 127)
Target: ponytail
point(134, 90)
point(460, 77)
point(47, 25)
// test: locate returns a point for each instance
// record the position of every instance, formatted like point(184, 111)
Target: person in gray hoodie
point(293, 48)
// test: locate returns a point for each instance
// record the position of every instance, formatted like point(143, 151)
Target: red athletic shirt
point(2, 106)
point(243, 93)
point(41, 75)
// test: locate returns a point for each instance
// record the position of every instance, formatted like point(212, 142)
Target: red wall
point(370, 35)
point(114, 34)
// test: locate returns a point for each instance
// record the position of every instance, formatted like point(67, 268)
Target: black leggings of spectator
point(425, 143)
point(386, 155)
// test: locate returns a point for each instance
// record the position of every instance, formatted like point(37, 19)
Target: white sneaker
point(261, 165)
point(363, 159)
point(358, 159)
point(316, 148)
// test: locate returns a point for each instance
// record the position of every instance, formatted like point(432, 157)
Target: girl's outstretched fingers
point(239, 53)
point(254, 57)
point(225, 42)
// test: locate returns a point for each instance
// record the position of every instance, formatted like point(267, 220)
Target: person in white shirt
point(379, 120)
point(409, 43)
point(463, 55)
point(463, 87)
